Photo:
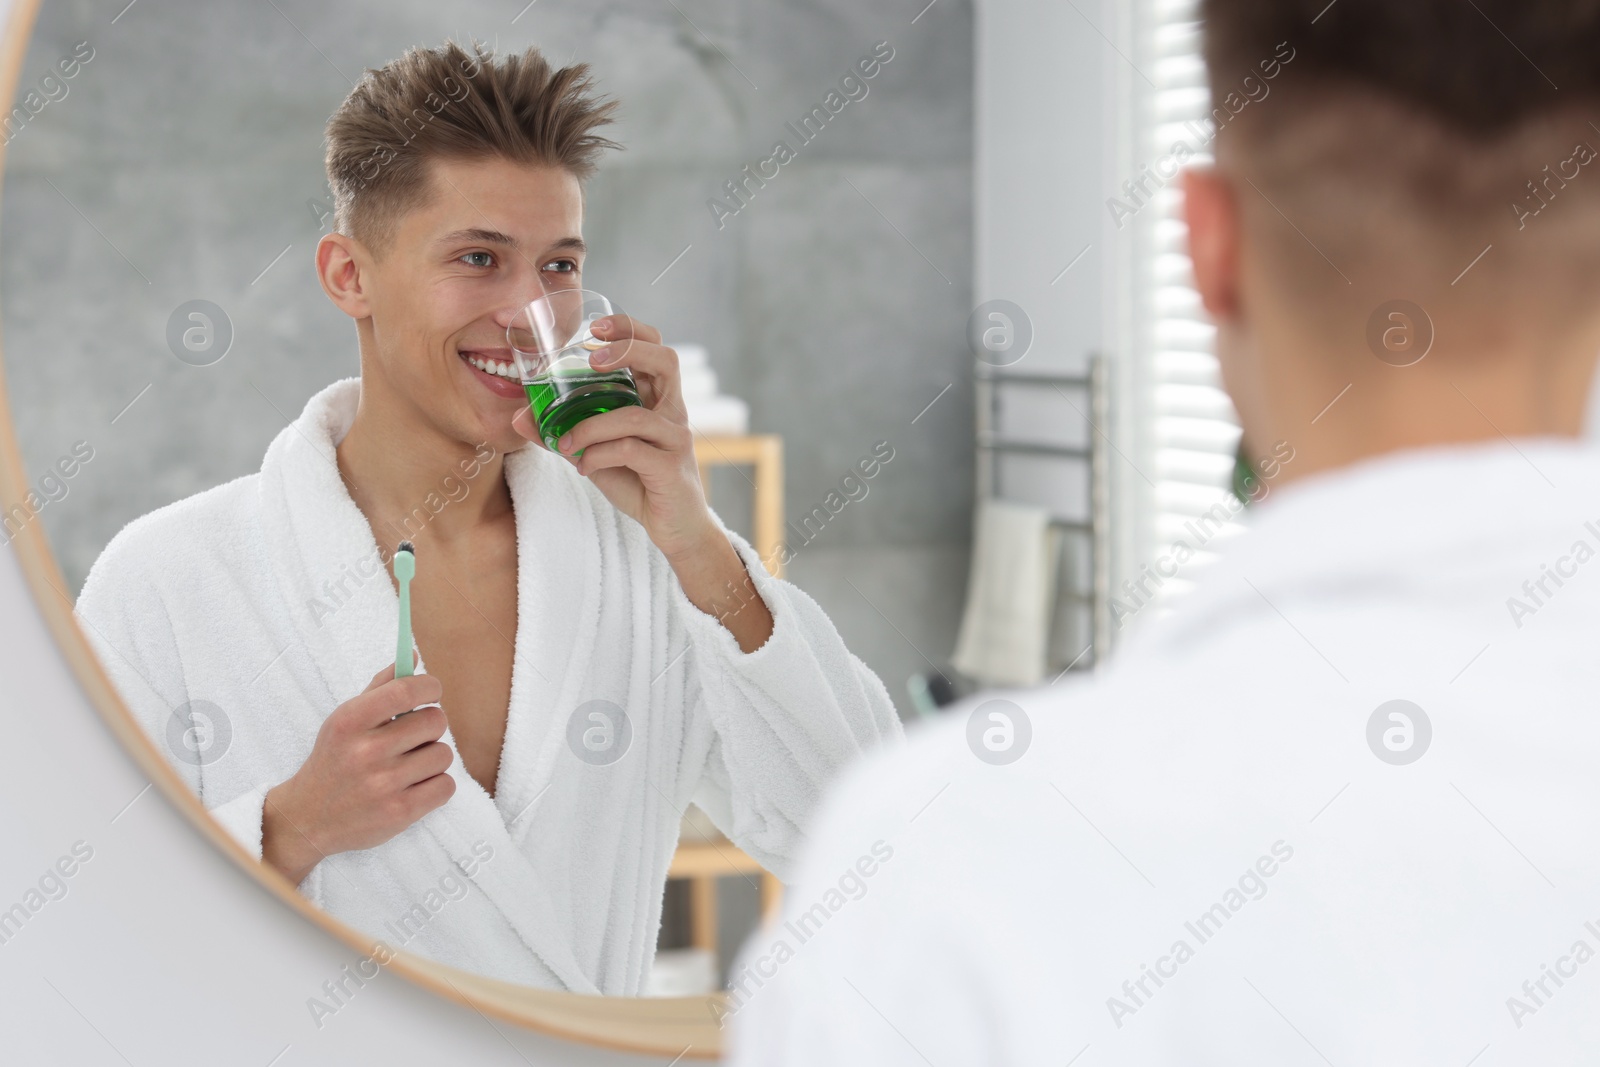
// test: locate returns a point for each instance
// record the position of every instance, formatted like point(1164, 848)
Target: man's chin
point(480, 426)
point(500, 437)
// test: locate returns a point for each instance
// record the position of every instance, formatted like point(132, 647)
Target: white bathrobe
point(1203, 858)
point(234, 597)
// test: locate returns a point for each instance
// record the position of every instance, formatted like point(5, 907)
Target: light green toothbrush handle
point(403, 662)
point(405, 566)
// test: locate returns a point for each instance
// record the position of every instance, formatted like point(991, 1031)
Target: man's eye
point(486, 255)
point(562, 266)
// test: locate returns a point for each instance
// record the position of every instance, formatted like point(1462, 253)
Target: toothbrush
point(405, 568)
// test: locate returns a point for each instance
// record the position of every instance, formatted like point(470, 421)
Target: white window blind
point(1188, 430)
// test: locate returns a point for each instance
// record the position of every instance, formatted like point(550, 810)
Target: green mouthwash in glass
point(552, 340)
point(561, 399)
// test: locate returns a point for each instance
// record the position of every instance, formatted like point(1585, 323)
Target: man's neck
point(1352, 407)
point(411, 481)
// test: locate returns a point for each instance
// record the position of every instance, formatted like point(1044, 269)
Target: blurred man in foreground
point(1341, 806)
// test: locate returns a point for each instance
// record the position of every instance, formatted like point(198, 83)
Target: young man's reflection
point(555, 596)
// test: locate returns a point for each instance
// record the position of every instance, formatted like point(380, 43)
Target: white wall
point(1040, 118)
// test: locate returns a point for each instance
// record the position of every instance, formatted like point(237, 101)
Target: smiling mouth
point(503, 368)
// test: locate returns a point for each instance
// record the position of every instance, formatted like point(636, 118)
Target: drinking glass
point(551, 340)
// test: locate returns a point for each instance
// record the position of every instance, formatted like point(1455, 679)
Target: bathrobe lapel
point(558, 625)
point(346, 614)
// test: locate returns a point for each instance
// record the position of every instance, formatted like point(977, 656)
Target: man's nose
point(507, 315)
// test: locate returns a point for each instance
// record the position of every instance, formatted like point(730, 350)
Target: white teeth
point(490, 366)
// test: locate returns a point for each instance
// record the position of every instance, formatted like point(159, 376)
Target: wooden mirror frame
point(684, 1027)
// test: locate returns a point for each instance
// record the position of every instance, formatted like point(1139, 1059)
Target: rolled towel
point(699, 383)
point(709, 412)
point(694, 371)
point(1005, 628)
point(718, 415)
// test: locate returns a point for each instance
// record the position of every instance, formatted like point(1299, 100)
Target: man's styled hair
point(1479, 66)
point(447, 103)
point(1406, 135)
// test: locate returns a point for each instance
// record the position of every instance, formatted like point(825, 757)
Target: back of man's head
point(1441, 152)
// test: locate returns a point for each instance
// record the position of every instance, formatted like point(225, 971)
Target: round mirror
point(307, 569)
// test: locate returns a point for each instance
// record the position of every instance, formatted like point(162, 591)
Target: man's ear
point(1212, 215)
point(341, 261)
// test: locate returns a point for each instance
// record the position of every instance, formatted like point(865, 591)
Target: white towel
point(216, 598)
point(1005, 629)
point(709, 412)
point(696, 379)
point(718, 415)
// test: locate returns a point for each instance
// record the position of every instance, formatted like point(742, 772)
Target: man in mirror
point(597, 650)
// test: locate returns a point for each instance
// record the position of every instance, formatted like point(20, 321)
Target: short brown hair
point(1455, 100)
point(447, 103)
point(1478, 68)
point(1406, 136)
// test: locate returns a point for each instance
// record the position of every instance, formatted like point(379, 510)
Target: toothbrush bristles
point(406, 546)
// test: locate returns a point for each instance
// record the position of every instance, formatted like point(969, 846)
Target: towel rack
point(992, 446)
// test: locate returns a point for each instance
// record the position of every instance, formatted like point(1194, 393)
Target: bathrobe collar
point(346, 612)
point(1439, 523)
